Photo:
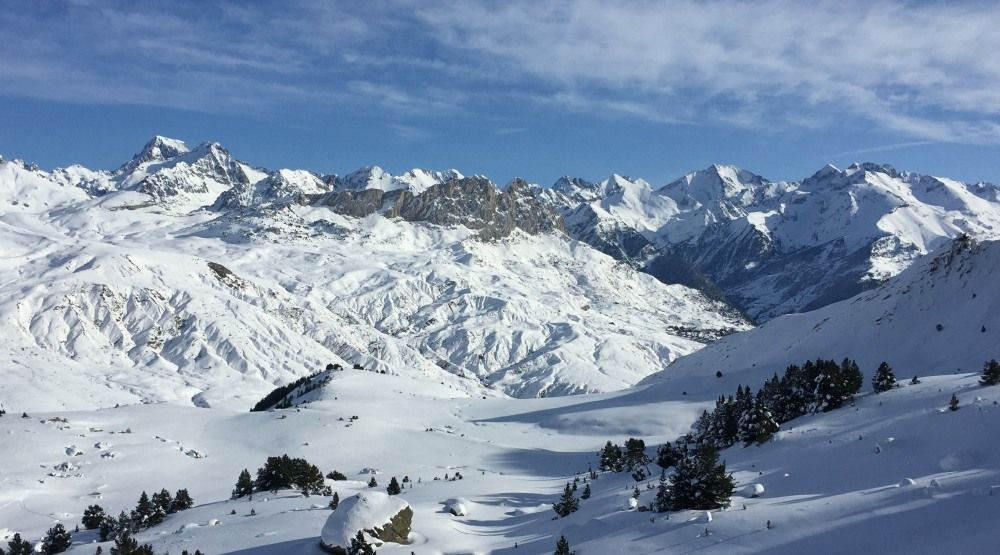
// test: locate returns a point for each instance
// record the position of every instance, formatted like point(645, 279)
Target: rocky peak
point(158, 149)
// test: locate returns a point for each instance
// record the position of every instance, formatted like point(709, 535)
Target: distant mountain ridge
point(766, 247)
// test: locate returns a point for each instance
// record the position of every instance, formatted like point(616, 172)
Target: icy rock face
point(383, 518)
point(473, 202)
point(282, 186)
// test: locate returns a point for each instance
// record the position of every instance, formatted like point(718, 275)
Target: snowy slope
point(120, 291)
point(954, 288)
point(898, 473)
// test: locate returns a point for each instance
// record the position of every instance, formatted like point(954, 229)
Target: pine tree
point(562, 547)
point(92, 517)
point(661, 503)
point(17, 546)
point(915, 381)
point(360, 546)
point(567, 504)
point(372, 483)
point(125, 544)
point(334, 501)
point(991, 373)
point(666, 455)
point(586, 492)
point(635, 454)
point(953, 403)
point(701, 482)
point(143, 511)
point(393, 487)
point(757, 425)
point(182, 501)
point(162, 506)
point(611, 457)
point(244, 485)
point(884, 378)
point(57, 540)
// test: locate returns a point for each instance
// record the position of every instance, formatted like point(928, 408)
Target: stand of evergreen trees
point(280, 397)
point(282, 472)
point(148, 511)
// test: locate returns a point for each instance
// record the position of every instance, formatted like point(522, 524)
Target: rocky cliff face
point(473, 202)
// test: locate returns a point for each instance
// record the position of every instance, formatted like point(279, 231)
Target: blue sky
point(513, 88)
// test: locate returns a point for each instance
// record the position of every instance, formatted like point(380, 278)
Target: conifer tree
point(125, 544)
point(666, 455)
point(586, 492)
point(991, 373)
point(661, 503)
point(884, 378)
point(360, 545)
point(567, 504)
point(17, 546)
point(393, 487)
point(953, 403)
point(244, 485)
point(92, 517)
point(164, 502)
point(562, 547)
point(757, 425)
point(143, 511)
point(334, 501)
point(372, 483)
point(57, 540)
point(635, 454)
point(701, 482)
point(182, 501)
point(611, 457)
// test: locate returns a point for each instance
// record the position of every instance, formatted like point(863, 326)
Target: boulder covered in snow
point(457, 507)
point(382, 517)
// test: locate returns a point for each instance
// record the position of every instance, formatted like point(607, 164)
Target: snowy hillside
point(940, 316)
point(779, 247)
point(897, 473)
point(128, 294)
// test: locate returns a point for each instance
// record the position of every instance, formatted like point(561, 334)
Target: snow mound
point(458, 506)
point(381, 516)
point(753, 490)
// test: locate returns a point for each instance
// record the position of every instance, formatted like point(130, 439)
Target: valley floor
point(834, 483)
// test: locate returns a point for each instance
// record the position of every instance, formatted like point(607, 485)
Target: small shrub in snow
point(953, 403)
point(393, 487)
point(991, 373)
point(562, 547)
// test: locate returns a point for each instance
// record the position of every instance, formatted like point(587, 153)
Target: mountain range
point(216, 278)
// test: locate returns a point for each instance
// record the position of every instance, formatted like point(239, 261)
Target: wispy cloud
point(924, 71)
point(882, 148)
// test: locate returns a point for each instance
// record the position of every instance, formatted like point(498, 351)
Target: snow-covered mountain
point(777, 247)
point(373, 177)
point(152, 289)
